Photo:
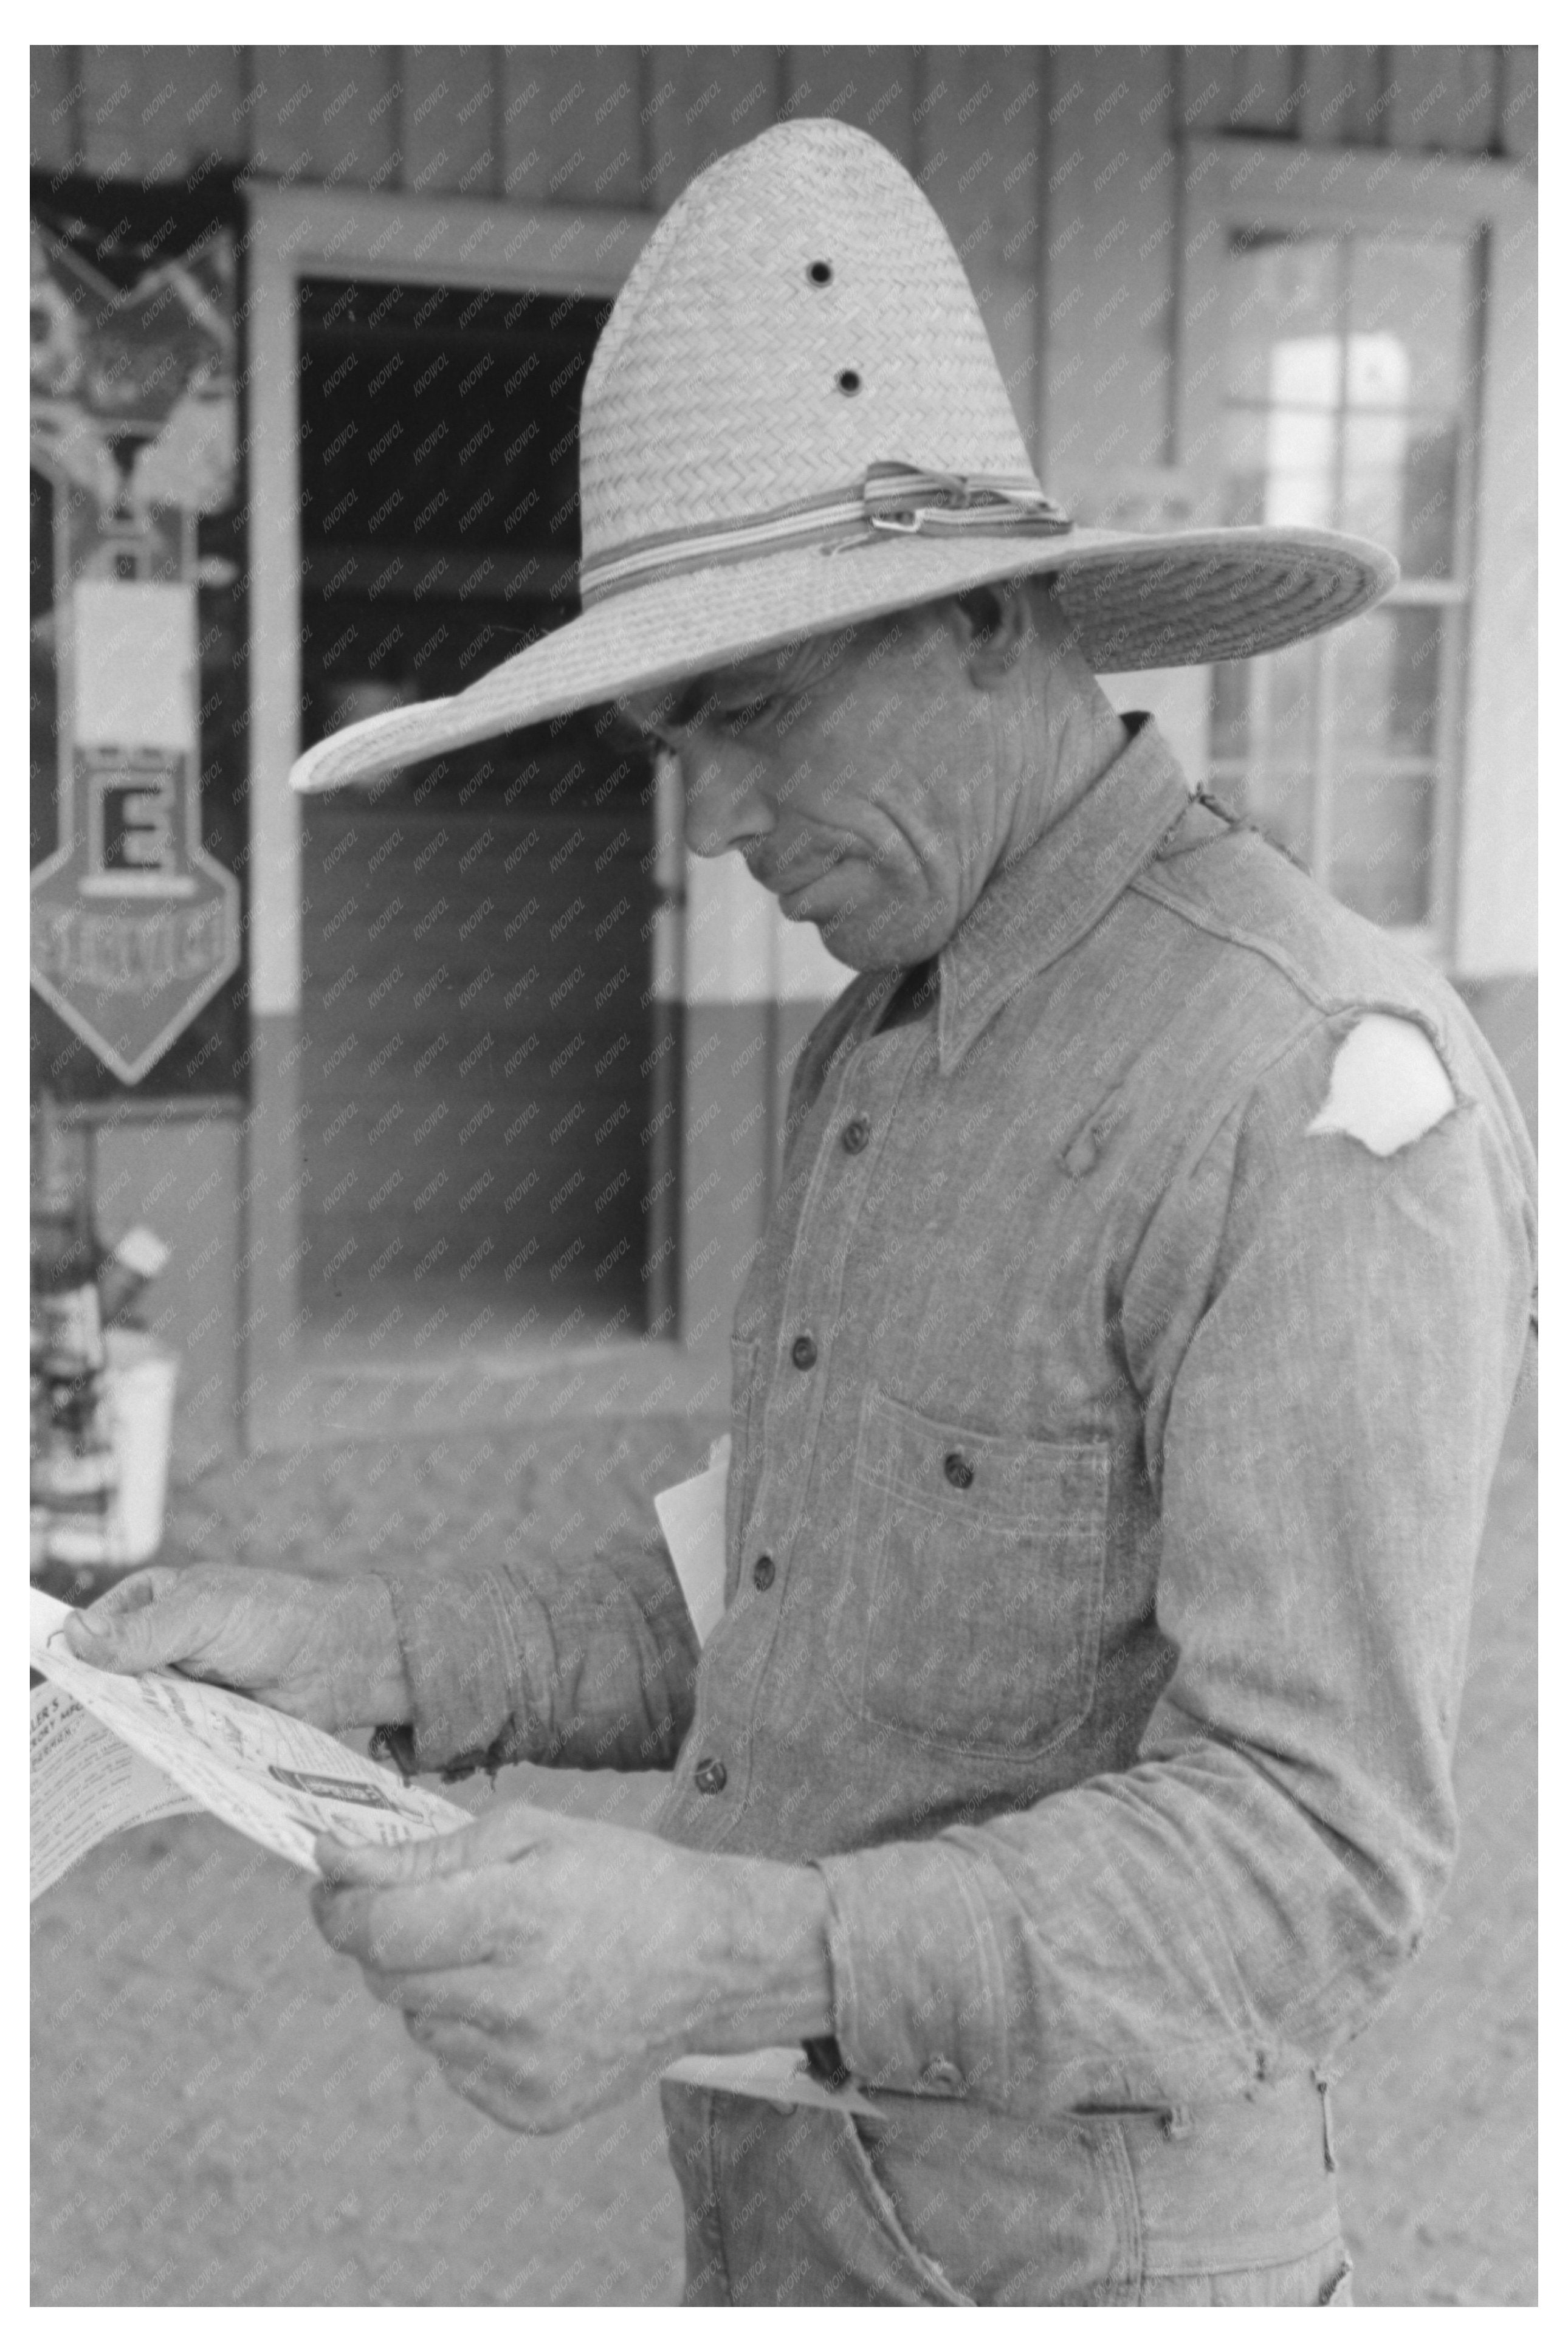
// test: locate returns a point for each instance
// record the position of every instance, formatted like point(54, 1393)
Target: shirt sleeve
point(1326, 1339)
point(590, 1666)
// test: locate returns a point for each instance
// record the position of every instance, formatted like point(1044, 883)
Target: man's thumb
point(128, 1630)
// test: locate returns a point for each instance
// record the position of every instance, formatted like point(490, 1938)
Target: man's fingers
point(481, 1998)
point(506, 1835)
point(412, 1863)
point(514, 2089)
point(430, 1903)
point(432, 1924)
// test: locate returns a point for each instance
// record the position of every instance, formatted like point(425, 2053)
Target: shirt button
point(941, 2075)
point(804, 1352)
point(763, 1571)
point(855, 1135)
point(710, 1775)
point(958, 1472)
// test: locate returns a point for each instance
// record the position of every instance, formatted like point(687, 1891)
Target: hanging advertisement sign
point(136, 921)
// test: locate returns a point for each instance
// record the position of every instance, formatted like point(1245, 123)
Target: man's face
point(865, 780)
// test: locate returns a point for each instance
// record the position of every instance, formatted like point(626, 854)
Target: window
point(1345, 408)
point(1335, 319)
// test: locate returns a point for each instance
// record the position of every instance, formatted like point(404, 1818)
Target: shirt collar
point(1047, 899)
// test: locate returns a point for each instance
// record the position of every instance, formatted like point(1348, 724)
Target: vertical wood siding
point(1517, 115)
point(978, 151)
point(1109, 214)
point(874, 88)
point(448, 121)
point(1443, 98)
point(1341, 97)
point(541, 123)
point(1053, 169)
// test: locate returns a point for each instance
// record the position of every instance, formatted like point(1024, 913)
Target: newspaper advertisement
point(112, 1751)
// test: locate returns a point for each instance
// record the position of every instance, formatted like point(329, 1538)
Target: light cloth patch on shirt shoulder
point(1387, 1086)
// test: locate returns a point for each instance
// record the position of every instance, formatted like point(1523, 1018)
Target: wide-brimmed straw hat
point(794, 421)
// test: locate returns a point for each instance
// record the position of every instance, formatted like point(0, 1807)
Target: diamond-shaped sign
point(133, 925)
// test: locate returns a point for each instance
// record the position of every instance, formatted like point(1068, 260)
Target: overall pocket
point(969, 1607)
point(929, 2280)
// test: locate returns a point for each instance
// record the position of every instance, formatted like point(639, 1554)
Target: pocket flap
point(1004, 1481)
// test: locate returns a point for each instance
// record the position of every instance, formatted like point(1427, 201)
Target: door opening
point(482, 1072)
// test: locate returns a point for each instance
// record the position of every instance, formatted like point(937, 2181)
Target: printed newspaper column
point(85, 1785)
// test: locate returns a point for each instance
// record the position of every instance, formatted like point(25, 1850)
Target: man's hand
point(328, 1653)
point(552, 1966)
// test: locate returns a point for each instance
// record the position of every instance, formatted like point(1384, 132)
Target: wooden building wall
point(1053, 168)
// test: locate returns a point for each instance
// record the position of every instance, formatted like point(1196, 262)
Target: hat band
point(892, 499)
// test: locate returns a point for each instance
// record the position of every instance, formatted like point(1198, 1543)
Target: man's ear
point(997, 618)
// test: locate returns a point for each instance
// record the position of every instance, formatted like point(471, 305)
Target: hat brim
point(1136, 600)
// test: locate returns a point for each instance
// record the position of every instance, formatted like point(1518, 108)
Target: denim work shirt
point(1112, 1433)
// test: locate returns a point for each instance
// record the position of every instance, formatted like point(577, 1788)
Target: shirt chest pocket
point(969, 1608)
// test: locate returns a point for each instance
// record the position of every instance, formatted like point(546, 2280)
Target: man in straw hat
point(1117, 1390)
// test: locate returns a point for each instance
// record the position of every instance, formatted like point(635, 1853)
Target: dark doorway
point(479, 1063)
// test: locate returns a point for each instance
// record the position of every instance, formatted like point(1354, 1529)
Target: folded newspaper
point(112, 1751)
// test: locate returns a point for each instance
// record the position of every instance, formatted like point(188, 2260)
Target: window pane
point(1279, 466)
point(1399, 488)
point(1298, 468)
point(1407, 321)
point(1373, 499)
point(1229, 709)
point(1386, 678)
point(1278, 799)
point(1425, 545)
point(1382, 844)
point(1291, 720)
point(1284, 320)
point(1245, 464)
point(1264, 712)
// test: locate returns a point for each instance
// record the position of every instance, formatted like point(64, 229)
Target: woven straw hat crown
point(795, 369)
point(798, 317)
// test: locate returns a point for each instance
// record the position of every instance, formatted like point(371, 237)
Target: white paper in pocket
point(692, 1518)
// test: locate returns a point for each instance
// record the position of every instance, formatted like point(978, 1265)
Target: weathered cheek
point(727, 797)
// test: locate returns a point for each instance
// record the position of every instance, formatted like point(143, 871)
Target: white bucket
point(139, 1383)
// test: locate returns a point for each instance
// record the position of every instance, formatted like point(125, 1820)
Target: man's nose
point(727, 802)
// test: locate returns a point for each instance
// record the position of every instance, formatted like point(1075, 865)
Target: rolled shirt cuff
point(463, 1638)
point(919, 1987)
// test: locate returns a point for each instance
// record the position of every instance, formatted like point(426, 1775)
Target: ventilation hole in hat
point(820, 273)
point(849, 381)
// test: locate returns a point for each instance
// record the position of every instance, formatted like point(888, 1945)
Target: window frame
point(1239, 185)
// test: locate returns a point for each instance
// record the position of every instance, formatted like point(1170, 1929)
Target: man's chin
point(850, 937)
point(860, 929)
